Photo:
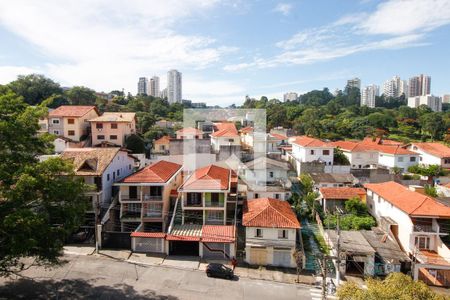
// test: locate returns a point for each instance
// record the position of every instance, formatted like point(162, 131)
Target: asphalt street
point(97, 277)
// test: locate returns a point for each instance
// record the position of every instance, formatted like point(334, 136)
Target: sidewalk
point(193, 263)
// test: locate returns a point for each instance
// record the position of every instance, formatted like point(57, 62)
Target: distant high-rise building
point(291, 96)
point(419, 85)
point(174, 86)
point(142, 86)
point(368, 95)
point(433, 102)
point(354, 83)
point(395, 87)
point(154, 86)
point(164, 93)
point(446, 98)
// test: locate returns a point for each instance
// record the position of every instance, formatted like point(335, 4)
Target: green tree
point(356, 206)
point(135, 144)
point(381, 120)
point(35, 88)
point(433, 124)
point(41, 202)
point(80, 95)
point(395, 286)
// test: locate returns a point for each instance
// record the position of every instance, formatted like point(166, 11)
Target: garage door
point(258, 256)
point(282, 258)
point(148, 245)
point(183, 248)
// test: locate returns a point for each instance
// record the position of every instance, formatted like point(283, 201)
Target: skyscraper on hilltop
point(395, 87)
point(368, 95)
point(174, 86)
point(419, 85)
point(142, 88)
point(154, 86)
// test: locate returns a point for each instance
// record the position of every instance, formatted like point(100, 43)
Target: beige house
point(161, 145)
point(71, 121)
point(113, 127)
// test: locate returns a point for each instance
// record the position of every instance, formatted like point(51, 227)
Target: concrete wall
point(179, 146)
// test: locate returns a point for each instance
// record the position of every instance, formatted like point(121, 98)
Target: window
point(271, 174)
point(422, 242)
point(107, 177)
point(282, 234)
point(420, 158)
point(412, 158)
point(100, 137)
point(256, 196)
point(113, 137)
point(162, 147)
point(99, 125)
point(231, 140)
point(326, 152)
point(259, 233)
point(400, 159)
point(311, 152)
point(55, 121)
point(277, 196)
point(214, 199)
point(113, 125)
point(134, 207)
point(129, 167)
point(446, 161)
point(70, 121)
point(118, 172)
point(56, 132)
point(194, 199)
point(71, 132)
point(215, 216)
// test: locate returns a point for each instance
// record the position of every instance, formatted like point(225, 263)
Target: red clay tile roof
point(341, 192)
point(218, 233)
point(278, 136)
point(412, 203)
point(182, 238)
point(367, 145)
point(189, 130)
point(435, 149)
point(268, 212)
point(210, 177)
point(225, 129)
point(247, 129)
point(306, 141)
point(72, 111)
point(160, 235)
point(381, 141)
point(158, 172)
point(163, 140)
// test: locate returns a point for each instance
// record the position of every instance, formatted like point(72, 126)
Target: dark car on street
point(219, 271)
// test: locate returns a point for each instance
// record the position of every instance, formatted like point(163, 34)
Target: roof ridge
point(274, 208)
point(260, 212)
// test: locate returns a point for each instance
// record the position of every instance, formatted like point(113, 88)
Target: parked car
point(220, 271)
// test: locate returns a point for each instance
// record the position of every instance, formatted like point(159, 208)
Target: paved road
point(97, 277)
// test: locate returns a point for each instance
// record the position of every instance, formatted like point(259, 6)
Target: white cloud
point(108, 44)
point(284, 8)
point(395, 24)
point(397, 17)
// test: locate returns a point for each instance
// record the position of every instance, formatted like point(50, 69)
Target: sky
point(226, 49)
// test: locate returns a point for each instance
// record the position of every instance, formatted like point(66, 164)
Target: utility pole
point(97, 222)
point(338, 249)
point(322, 261)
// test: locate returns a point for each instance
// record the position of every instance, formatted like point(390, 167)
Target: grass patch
point(321, 242)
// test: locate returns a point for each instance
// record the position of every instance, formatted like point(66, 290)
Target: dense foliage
point(395, 286)
point(356, 217)
point(41, 203)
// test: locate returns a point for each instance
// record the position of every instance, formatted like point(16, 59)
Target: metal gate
point(116, 240)
point(282, 258)
point(148, 245)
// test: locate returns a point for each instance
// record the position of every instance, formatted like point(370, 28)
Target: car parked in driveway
point(219, 271)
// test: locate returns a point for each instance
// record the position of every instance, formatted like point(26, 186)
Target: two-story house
point(113, 127)
point(307, 150)
point(372, 153)
point(203, 222)
point(144, 196)
point(417, 223)
point(432, 154)
point(71, 121)
point(225, 134)
point(266, 178)
point(270, 232)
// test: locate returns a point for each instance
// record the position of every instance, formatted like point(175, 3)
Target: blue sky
point(226, 49)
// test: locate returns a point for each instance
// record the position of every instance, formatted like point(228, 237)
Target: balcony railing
point(192, 204)
point(153, 214)
point(423, 228)
point(152, 198)
point(129, 199)
point(214, 204)
point(131, 215)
